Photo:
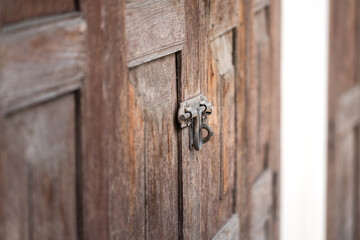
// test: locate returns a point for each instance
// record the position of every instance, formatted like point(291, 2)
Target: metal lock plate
point(193, 113)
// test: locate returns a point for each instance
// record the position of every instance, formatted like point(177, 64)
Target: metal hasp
point(193, 113)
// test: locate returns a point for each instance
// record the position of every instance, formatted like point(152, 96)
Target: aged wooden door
point(343, 192)
point(91, 147)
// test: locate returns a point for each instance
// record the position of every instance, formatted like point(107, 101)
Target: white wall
point(304, 113)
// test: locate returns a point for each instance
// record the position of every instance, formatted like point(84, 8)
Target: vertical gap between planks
point(29, 201)
point(274, 194)
point(77, 5)
point(78, 164)
point(178, 60)
point(356, 180)
point(236, 70)
point(145, 183)
point(221, 135)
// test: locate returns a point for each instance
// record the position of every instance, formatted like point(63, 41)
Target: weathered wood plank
point(193, 70)
point(230, 231)
point(224, 16)
point(41, 59)
point(348, 111)
point(39, 172)
point(344, 180)
point(342, 111)
point(261, 204)
point(249, 105)
point(223, 71)
point(216, 204)
point(105, 207)
point(153, 29)
point(241, 53)
point(153, 105)
point(274, 140)
point(263, 93)
point(17, 10)
point(345, 185)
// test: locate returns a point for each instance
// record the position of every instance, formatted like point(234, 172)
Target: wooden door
point(90, 143)
point(343, 212)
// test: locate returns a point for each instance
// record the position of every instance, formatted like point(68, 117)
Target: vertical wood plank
point(343, 77)
point(345, 226)
point(40, 202)
point(193, 70)
point(261, 203)
point(155, 147)
point(241, 54)
point(275, 140)
point(343, 215)
point(104, 125)
point(261, 114)
point(219, 154)
point(263, 92)
point(223, 73)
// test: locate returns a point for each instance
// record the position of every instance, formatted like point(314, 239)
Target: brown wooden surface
point(38, 170)
point(134, 176)
point(261, 205)
point(41, 59)
point(261, 126)
point(104, 124)
point(192, 71)
point(153, 147)
point(343, 122)
point(230, 231)
point(17, 10)
point(153, 29)
point(224, 16)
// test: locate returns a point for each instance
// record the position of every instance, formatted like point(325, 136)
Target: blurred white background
point(303, 118)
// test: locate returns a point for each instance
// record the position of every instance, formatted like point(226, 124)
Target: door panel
point(153, 148)
point(41, 154)
point(42, 66)
point(153, 29)
point(97, 91)
point(344, 180)
point(343, 215)
point(41, 59)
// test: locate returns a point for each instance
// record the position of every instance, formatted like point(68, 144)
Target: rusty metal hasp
point(193, 113)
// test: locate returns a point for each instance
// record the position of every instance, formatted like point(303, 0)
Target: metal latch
point(193, 113)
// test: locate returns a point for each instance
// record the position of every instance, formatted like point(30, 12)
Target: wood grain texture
point(104, 123)
point(18, 10)
point(153, 148)
point(348, 111)
point(344, 204)
point(223, 74)
point(263, 93)
point(38, 171)
point(224, 15)
point(261, 206)
point(153, 29)
point(261, 115)
point(241, 53)
point(41, 59)
point(275, 140)
point(343, 125)
point(217, 156)
point(193, 69)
